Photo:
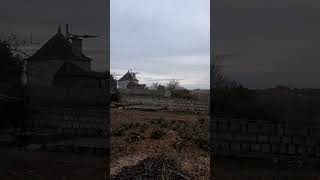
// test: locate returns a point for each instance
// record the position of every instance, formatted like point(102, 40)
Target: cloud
point(167, 39)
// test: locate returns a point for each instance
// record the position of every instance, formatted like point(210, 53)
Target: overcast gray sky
point(42, 17)
point(271, 42)
point(162, 40)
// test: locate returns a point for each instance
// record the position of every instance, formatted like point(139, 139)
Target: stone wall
point(256, 138)
point(180, 105)
point(141, 92)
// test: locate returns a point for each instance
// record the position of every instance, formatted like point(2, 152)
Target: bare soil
point(18, 164)
point(140, 136)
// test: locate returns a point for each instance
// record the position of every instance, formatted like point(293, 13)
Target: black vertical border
point(212, 17)
point(108, 134)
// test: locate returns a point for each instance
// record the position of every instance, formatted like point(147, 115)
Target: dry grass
point(185, 136)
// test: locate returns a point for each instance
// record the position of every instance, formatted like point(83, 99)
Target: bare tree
point(155, 85)
point(217, 74)
point(16, 45)
point(11, 65)
point(174, 85)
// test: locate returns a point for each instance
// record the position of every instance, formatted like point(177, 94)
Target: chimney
point(77, 46)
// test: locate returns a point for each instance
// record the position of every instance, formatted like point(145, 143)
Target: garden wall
point(172, 104)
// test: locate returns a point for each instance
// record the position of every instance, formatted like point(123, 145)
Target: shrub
point(157, 134)
point(120, 131)
point(161, 122)
point(134, 136)
point(194, 133)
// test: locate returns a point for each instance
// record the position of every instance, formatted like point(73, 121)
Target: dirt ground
point(18, 164)
point(137, 135)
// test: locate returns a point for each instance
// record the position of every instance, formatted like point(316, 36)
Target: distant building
point(129, 81)
point(61, 62)
point(132, 85)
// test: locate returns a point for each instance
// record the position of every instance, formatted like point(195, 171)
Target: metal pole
point(67, 30)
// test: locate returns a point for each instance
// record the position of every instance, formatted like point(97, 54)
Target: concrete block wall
point(243, 137)
point(182, 105)
point(84, 121)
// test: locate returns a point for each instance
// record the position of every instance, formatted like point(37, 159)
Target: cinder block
point(253, 127)
point(266, 148)
point(255, 147)
point(275, 148)
point(235, 147)
point(291, 149)
point(286, 140)
point(275, 139)
point(263, 138)
point(245, 147)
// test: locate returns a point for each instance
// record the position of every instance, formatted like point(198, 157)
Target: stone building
point(129, 81)
point(61, 61)
point(64, 94)
point(71, 75)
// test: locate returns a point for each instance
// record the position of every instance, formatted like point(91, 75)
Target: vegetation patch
point(161, 122)
point(134, 136)
point(161, 167)
point(157, 134)
point(193, 133)
point(121, 130)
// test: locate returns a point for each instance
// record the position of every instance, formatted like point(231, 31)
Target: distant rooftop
point(129, 76)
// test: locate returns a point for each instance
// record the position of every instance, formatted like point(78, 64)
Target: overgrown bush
point(177, 91)
point(182, 93)
point(192, 133)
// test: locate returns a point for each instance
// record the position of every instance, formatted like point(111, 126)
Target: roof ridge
point(58, 47)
